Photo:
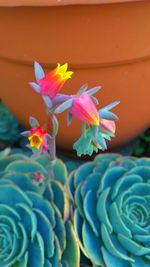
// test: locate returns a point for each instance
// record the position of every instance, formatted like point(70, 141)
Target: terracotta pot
point(107, 45)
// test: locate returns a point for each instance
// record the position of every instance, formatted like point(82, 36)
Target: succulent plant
point(34, 225)
point(9, 126)
point(112, 210)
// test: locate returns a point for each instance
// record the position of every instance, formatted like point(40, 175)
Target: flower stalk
point(52, 149)
point(98, 125)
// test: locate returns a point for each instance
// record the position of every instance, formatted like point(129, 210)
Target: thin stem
point(52, 149)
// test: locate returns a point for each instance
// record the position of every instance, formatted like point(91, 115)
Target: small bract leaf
point(101, 141)
point(112, 105)
point(36, 87)
point(106, 114)
point(95, 100)
point(39, 73)
point(56, 125)
point(25, 133)
point(69, 118)
point(47, 101)
point(33, 122)
point(94, 130)
point(82, 89)
point(84, 129)
point(93, 90)
point(66, 105)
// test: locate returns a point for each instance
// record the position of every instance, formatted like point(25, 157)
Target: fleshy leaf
point(95, 100)
point(94, 90)
point(106, 114)
point(66, 105)
point(33, 122)
point(47, 101)
point(72, 253)
point(55, 124)
point(39, 73)
point(36, 87)
point(82, 89)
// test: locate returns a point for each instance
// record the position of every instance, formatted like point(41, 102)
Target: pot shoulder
point(58, 2)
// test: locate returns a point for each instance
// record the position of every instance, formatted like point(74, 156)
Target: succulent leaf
point(39, 73)
point(35, 86)
point(64, 106)
point(94, 90)
point(33, 122)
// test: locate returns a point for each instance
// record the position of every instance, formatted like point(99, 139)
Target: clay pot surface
point(58, 2)
point(107, 45)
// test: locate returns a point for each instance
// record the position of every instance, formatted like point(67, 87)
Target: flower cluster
point(111, 198)
point(97, 125)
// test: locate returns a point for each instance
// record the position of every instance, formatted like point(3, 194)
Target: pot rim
point(13, 3)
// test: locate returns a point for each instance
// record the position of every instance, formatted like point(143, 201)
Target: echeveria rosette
point(111, 210)
point(9, 126)
point(93, 136)
point(34, 226)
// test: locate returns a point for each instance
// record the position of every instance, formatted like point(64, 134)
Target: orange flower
point(52, 82)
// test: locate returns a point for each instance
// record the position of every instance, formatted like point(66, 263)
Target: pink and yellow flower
point(85, 110)
point(107, 126)
point(37, 139)
point(52, 82)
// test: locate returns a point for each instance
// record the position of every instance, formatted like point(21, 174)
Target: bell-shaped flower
point(52, 82)
point(38, 140)
point(94, 137)
point(85, 110)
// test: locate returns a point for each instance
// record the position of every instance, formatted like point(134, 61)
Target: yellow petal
point(63, 68)
point(57, 68)
point(68, 74)
point(35, 140)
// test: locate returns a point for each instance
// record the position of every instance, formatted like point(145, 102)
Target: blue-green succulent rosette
point(34, 226)
point(112, 210)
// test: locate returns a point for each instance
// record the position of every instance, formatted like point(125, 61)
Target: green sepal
point(66, 105)
point(38, 70)
point(94, 100)
point(93, 90)
point(33, 122)
point(56, 125)
point(82, 89)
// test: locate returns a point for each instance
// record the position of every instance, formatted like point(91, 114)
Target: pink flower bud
point(85, 110)
point(107, 126)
